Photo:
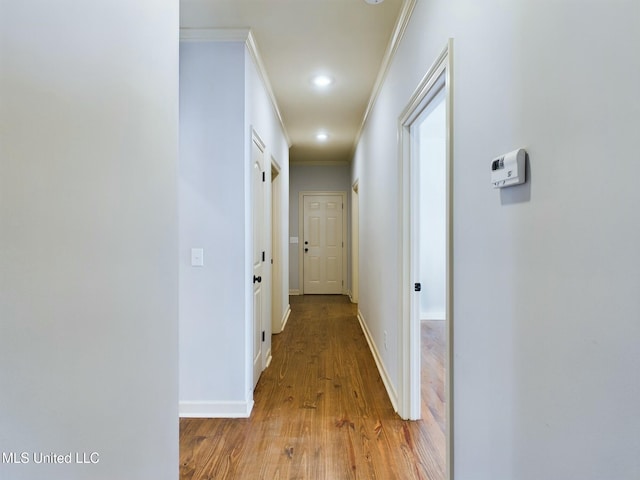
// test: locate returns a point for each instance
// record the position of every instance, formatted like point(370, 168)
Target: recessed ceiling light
point(322, 137)
point(374, 2)
point(322, 81)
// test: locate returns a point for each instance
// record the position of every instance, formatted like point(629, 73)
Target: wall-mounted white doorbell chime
point(508, 169)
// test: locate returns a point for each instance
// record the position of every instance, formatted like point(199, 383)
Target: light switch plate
point(197, 257)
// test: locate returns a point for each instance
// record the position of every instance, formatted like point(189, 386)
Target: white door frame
point(301, 196)
point(355, 241)
point(439, 76)
point(276, 248)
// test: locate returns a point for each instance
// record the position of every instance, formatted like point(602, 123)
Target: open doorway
point(276, 247)
point(426, 244)
point(428, 136)
point(355, 242)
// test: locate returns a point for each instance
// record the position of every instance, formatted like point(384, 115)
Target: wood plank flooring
point(433, 347)
point(321, 412)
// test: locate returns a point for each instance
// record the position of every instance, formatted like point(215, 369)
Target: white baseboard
point(295, 291)
point(215, 409)
point(351, 297)
point(269, 358)
point(285, 319)
point(388, 385)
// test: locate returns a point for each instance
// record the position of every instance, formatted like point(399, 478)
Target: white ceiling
point(346, 39)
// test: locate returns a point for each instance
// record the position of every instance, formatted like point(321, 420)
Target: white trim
point(214, 34)
point(354, 291)
point(215, 409)
point(285, 319)
point(275, 245)
point(439, 76)
point(345, 211)
point(410, 338)
point(394, 42)
point(294, 291)
point(252, 47)
point(275, 165)
point(386, 379)
point(423, 91)
point(238, 35)
point(269, 358)
point(319, 163)
point(259, 142)
point(432, 316)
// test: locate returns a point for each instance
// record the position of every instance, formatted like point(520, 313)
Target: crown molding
point(239, 35)
point(318, 163)
point(252, 47)
point(392, 48)
point(214, 34)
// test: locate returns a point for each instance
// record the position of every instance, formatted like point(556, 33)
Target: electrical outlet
point(197, 257)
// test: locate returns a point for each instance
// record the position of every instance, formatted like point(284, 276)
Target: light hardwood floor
point(321, 412)
point(432, 372)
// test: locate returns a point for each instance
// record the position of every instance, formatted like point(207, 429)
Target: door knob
point(257, 279)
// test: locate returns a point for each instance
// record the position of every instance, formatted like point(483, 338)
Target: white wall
point(329, 178)
point(212, 211)
point(222, 99)
point(545, 275)
point(88, 237)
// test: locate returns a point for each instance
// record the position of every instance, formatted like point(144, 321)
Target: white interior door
point(323, 244)
point(258, 190)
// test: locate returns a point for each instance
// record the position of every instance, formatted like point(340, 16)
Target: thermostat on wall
point(509, 169)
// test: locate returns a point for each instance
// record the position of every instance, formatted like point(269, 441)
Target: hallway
point(321, 412)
